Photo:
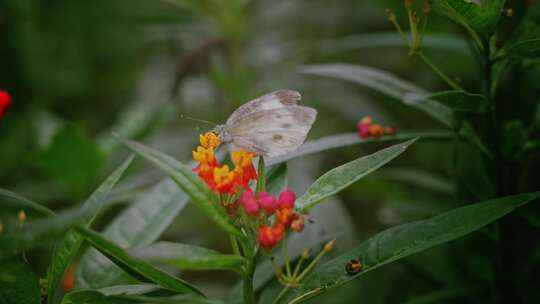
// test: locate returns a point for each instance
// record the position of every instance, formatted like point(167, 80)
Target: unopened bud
point(509, 12)
point(414, 18)
point(1, 227)
point(297, 224)
point(408, 3)
point(330, 245)
point(427, 7)
point(22, 216)
point(391, 16)
point(305, 254)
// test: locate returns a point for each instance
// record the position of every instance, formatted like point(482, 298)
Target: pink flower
point(286, 199)
point(268, 202)
point(250, 203)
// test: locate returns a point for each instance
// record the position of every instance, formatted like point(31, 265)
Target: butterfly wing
point(273, 100)
point(272, 132)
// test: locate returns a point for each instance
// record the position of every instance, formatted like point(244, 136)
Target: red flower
point(5, 102)
point(266, 237)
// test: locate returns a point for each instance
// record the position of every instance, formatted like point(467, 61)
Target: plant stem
point(311, 265)
point(286, 256)
point(234, 245)
point(247, 278)
point(437, 71)
point(280, 295)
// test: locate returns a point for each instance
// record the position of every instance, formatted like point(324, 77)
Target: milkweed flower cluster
point(5, 102)
point(366, 128)
point(221, 178)
point(268, 217)
point(263, 206)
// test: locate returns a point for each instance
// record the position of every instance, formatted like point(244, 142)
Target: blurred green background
point(80, 70)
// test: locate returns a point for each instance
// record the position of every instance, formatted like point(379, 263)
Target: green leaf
point(190, 183)
point(72, 159)
point(527, 48)
point(343, 176)
point(91, 297)
point(139, 225)
point(189, 257)
point(350, 139)
point(461, 101)
point(66, 249)
point(18, 283)
point(131, 289)
point(385, 83)
point(21, 202)
point(373, 78)
point(134, 266)
point(404, 240)
point(35, 233)
point(483, 17)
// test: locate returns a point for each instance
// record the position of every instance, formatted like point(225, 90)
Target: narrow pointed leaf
point(461, 101)
point(343, 176)
point(189, 257)
point(134, 266)
point(349, 139)
point(137, 226)
point(66, 249)
point(37, 232)
point(21, 202)
point(404, 240)
point(385, 83)
point(190, 183)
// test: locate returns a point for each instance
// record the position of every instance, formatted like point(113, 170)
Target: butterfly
point(270, 125)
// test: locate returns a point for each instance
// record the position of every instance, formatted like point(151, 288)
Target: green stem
point(234, 245)
point(247, 278)
point(280, 295)
point(286, 256)
point(310, 266)
point(297, 268)
point(437, 71)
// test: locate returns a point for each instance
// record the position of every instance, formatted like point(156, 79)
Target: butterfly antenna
point(198, 120)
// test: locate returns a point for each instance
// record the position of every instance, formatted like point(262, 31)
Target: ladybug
point(353, 267)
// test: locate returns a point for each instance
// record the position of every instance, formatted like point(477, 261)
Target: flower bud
point(389, 131)
point(408, 3)
point(250, 203)
point(297, 222)
point(284, 216)
point(363, 127)
point(427, 7)
point(266, 237)
point(376, 130)
point(305, 254)
point(286, 199)
point(391, 16)
point(268, 202)
point(22, 216)
point(330, 245)
point(278, 230)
